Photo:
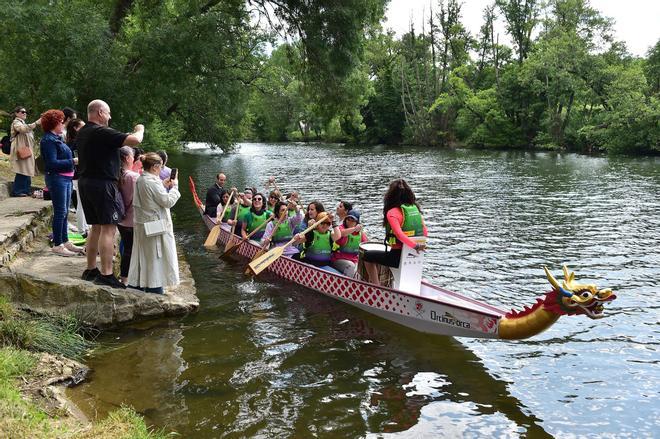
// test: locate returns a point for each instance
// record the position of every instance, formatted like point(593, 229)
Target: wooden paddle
point(261, 263)
point(233, 227)
point(233, 248)
point(212, 239)
point(263, 248)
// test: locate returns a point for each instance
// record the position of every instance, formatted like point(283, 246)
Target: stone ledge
point(21, 221)
point(46, 283)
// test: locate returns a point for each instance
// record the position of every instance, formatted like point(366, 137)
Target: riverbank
point(33, 372)
point(38, 288)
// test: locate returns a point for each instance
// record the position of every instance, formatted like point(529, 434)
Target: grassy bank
point(22, 338)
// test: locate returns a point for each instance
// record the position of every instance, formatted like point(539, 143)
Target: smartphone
point(173, 174)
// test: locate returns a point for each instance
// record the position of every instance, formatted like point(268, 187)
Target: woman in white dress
point(154, 262)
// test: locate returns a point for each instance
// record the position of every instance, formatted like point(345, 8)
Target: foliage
point(222, 71)
point(54, 334)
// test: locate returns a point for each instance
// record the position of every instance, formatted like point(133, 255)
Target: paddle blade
point(248, 270)
point(212, 239)
point(262, 262)
point(230, 242)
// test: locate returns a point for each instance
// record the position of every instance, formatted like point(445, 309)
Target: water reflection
point(142, 370)
point(268, 359)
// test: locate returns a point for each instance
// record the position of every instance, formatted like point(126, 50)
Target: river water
point(265, 358)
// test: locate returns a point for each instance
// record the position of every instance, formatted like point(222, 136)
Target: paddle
point(263, 248)
point(233, 248)
point(233, 227)
point(261, 263)
point(212, 239)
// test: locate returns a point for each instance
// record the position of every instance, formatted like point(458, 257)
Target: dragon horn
point(554, 282)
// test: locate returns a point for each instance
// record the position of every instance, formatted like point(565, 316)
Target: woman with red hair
point(59, 164)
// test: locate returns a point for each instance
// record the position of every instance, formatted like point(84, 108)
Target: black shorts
point(101, 200)
point(390, 258)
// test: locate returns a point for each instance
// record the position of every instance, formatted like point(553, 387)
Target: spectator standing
point(125, 226)
point(154, 262)
point(69, 115)
point(59, 163)
point(165, 171)
point(21, 156)
point(72, 129)
point(100, 165)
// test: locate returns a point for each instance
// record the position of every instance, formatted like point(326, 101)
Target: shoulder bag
point(155, 227)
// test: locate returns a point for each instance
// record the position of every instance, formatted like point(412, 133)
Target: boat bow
point(568, 298)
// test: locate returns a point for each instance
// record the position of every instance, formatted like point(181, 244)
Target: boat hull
point(434, 311)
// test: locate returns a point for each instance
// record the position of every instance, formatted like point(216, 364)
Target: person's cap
point(354, 214)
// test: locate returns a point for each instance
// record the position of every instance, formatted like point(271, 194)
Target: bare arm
point(135, 138)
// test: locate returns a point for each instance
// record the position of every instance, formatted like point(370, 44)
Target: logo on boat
point(419, 308)
point(448, 319)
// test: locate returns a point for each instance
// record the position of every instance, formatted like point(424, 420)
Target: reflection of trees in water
point(406, 372)
point(143, 373)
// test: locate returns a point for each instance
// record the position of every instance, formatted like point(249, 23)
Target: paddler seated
point(316, 246)
point(255, 217)
point(402, 218)
point(243, 207)
point(293, 199)
point(280, 231)
point(342, 210)
point(347, 238)
point(314, 209)
point(214, 195)
point(221, 207)
point(274, 197)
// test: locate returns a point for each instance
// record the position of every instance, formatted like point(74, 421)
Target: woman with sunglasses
point(280, 230)
point(22, 143)
point(257, 215)
point(59, 163)
point(274, 197)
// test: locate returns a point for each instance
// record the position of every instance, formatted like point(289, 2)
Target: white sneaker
point(62, 251)
point(73, 248)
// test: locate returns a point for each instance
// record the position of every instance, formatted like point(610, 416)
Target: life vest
point(227, 215)
point(243, 211)
point(253, 221)
point(351, 246)
point(413, 224)
point(283, 233)
point(320, 251)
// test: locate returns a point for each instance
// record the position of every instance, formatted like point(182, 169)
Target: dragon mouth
point(595, 310)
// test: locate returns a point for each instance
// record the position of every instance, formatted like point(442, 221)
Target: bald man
point(99, 169)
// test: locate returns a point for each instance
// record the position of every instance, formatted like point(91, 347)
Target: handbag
point(23, 152)
point(155, 227)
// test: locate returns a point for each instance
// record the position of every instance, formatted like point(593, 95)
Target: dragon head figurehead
point(573, 298)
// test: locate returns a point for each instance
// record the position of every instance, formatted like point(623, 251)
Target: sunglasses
point(258, 199)
point(23, 112)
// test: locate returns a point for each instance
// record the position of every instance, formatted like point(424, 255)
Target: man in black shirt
point(99, 167)
point(214, 196)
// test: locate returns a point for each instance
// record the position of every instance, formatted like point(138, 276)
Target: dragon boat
point(432, 309)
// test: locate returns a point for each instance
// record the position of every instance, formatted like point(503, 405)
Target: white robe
point(154, 261)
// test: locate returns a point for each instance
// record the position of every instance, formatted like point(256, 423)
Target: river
point(265, 358)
